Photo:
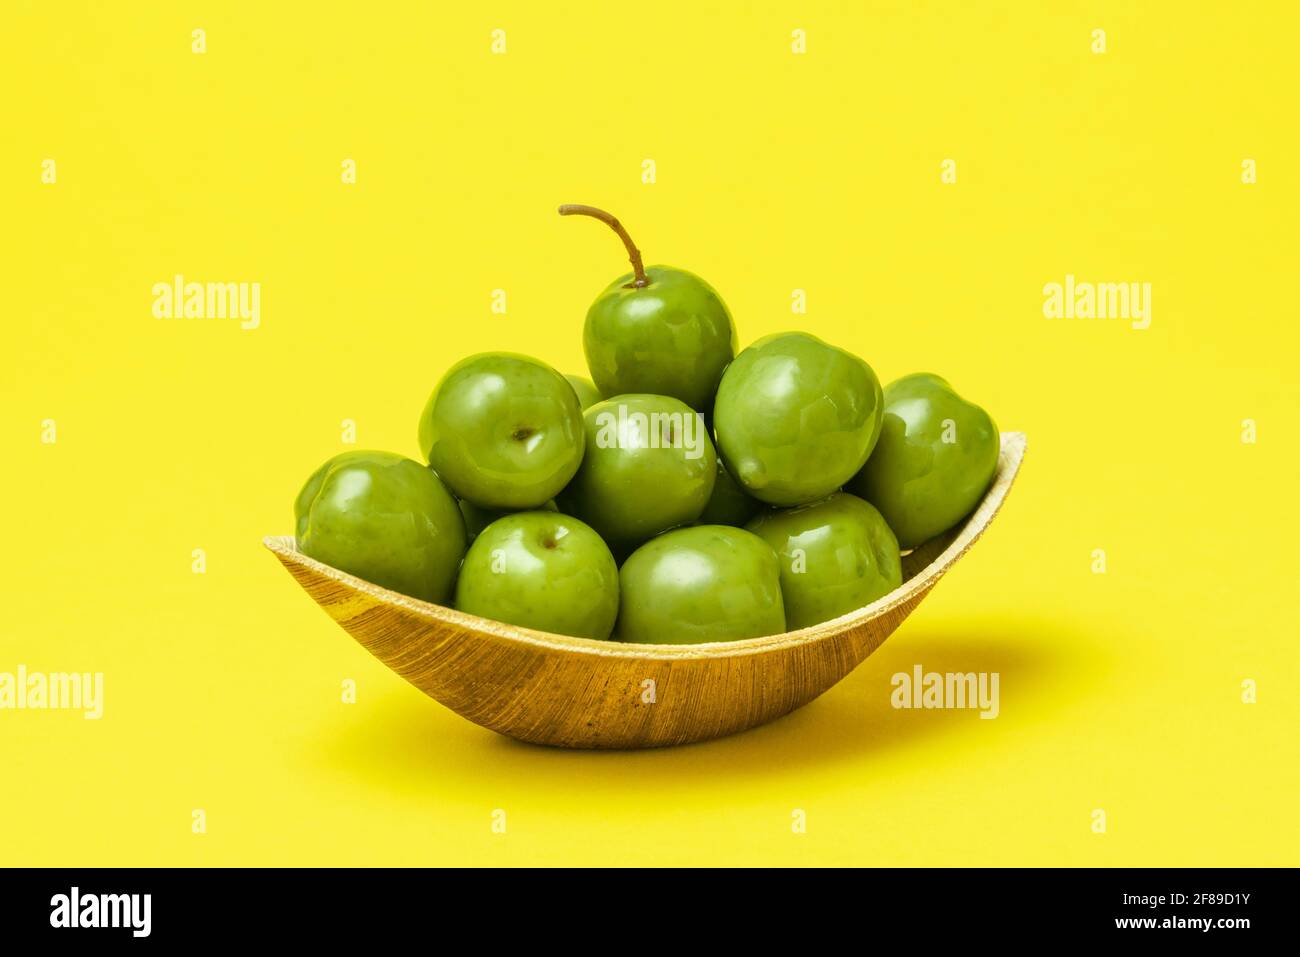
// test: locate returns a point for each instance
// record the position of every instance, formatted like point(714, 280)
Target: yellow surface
point(775, 171)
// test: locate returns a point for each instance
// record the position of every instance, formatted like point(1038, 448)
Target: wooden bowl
point(580, 693)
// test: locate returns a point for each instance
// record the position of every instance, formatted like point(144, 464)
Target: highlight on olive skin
point(686, 492)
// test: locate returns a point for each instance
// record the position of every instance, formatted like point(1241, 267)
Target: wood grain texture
point(580, 693)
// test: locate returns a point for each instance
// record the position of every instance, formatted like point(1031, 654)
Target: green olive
point(935, 459)
point(541, 570)
point(703, 583)
point(503, 431)
point(649, 466)
point(385, 519)
point(796, 418)
point(836, 555)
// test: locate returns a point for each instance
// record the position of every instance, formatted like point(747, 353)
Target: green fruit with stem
point(660, 330)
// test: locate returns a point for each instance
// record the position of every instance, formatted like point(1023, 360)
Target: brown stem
point(633, 254)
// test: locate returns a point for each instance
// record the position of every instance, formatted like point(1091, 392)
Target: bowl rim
point(1011, 454)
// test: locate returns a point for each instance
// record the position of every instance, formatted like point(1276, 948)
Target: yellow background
point(775, 171)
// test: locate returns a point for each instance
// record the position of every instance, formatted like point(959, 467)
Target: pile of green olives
point(608, 509)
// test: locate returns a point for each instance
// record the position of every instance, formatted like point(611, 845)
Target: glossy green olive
point(541, 570)
point(588, 394)
point(478, 518)
point(385, 519)
point(671, 337)
point(796, 418)
point(703, 583)
point(836, 556)
point(935, 459)
point(503, 431)
point(729, 504)
point(650, 466)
